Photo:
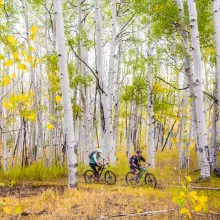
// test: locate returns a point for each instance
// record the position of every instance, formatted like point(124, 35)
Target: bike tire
point(110, 177)
point(130, 179)
point(150, 180)
point(89, 176)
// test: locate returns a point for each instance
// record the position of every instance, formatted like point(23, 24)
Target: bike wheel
point(130, 179)
point(150, 180)
point(110, 177)
point(89, 176)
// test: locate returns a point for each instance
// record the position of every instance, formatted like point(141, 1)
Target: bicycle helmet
point(138, 152)
point(99, 150)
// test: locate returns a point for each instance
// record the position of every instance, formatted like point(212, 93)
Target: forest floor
point(49, 198)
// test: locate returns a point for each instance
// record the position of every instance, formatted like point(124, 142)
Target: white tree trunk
point(107, 137)
point(215, 120)
point(33, 83)
point(151, 144)
point(112, 71)
point(198, 90)
point(68, 113)
point(214, 140)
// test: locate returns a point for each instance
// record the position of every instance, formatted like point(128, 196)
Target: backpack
point(131, 159)
point(91, 154)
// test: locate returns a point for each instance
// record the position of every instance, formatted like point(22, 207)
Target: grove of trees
point(80, 74)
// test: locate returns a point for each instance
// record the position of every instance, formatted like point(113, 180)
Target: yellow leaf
point(1, 3)
point(5, 104)
point(50, 126)
point(31, 49)
point(58, 98)
point(33, 29)
point(8, 63)
point(6, 80)
point(40, 60)
point(139, 210)
point(32, 116)
point(203, 199)
point(182, 194)
point(2, 184)
point(11, 39)
point(188, 178)
point(22, 66)
point(184, 211)
point(193, 193)
point(32, 36)
point(13, 75)
point(17, 209)
point(198, 208)
point(2, 57)
point(7, 210)
point(15, 55)
point(6, 200)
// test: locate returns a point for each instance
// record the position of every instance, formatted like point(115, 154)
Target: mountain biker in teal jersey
point(94, 161)
point(135, 163)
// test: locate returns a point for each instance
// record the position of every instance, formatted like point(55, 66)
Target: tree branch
point(95, 74)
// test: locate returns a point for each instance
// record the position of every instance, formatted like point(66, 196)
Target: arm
point(104, 159)
point(142, 159)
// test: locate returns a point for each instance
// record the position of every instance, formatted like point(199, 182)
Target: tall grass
point(34, 172)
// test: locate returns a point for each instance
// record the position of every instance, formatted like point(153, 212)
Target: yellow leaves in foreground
point(185, 211)
point(1, 2)
point(50, 126)
point(188, 178)
point(18, 209)
point(7, 210)
point(58, 98)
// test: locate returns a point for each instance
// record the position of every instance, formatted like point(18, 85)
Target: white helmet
point(99, 150)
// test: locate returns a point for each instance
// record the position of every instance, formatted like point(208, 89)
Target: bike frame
point(102, 169)
point(140, 174)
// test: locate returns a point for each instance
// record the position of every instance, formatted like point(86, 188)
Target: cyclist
point(94, 161)
point(135, 163)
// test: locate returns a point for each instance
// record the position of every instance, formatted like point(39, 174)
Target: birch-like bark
point(198, 91)
point(215, 121)
point(188, 71)
point(33, 83)
point(214, 140)
point(107, 137)
point(151, 144)
point(112, 67)
point(68, 113)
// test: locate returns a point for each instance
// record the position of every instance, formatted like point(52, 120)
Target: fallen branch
point(206, 188)
point(136, 214)
point(34, 213)
point(195, 187)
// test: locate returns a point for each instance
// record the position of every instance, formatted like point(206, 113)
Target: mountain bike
point(149, 178)
point(109, 176)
